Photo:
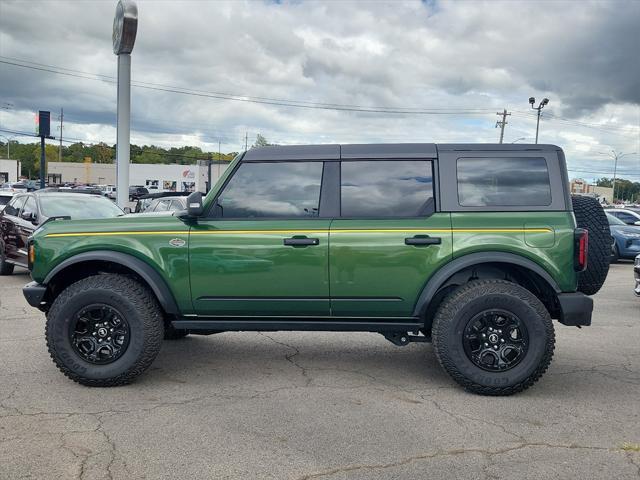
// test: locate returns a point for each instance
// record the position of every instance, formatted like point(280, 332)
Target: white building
point(9, 170)
point(156, 177)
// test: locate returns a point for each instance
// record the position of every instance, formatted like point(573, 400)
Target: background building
point(578, 186)
point(9, 170)
point(156, 177)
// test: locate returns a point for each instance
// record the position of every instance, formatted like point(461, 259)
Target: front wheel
point(493, 337)
point(104, 330)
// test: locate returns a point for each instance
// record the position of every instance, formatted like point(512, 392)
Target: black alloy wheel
point(99, 334)
point(495, 340)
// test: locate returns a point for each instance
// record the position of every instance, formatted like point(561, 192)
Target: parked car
point(5, 196)
point(136, 191)
point(143, 203)
point(25, 212)
point(636, 274)
point(163, 204)
point(14, 187)
point(473, 247)
point(628, 216)
point(107, 189)
point(626, 238)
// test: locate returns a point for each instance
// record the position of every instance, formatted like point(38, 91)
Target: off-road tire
point(5, 268)
point(477, 296)
point(590, 216)
point(141, 311)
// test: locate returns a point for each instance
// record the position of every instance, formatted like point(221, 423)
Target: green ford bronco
point(473, 247)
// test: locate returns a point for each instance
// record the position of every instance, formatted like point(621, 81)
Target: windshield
point(614, 221)
point(78, 206)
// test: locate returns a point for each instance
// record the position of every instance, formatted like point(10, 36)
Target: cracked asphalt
point(322, 406)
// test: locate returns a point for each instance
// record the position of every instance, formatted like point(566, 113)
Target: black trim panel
point(300, 299)
point(148, 273)
point(332, 325)
point(576, 309)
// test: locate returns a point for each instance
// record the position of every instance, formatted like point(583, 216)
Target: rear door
point(389, 238)
point(264, 248)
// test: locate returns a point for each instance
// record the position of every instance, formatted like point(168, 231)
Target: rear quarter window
point(503, 182)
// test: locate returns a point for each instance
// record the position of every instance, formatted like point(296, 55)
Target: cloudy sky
point(335, 72)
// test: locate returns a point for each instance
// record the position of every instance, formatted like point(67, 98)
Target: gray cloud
point(415, 54)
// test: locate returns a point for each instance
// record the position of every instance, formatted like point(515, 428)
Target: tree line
point(29, 154)
point(625, 189)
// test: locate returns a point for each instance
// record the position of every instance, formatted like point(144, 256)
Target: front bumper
point(34, 292)
point(575, 309)
point(636, 274)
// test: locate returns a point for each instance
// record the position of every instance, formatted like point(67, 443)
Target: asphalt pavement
point(322, 406)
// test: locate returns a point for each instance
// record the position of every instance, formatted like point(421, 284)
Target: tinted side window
point(30, 206)
point(282, 189)
point(503, 182)
point(386, 188)
point(13, 208)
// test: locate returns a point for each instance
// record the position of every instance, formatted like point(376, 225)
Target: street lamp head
point(532, 100)
point(544, 101)
point(125, 26)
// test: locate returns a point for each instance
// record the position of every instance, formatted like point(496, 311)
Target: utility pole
point(60, 149)
point(539, 108)
point(502, 123)
point(219, 158)
point(246, 140)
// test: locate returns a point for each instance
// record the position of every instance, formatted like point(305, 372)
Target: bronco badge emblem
point(177, 242)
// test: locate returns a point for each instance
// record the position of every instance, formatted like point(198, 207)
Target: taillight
point(32, 255)
point(580, 249)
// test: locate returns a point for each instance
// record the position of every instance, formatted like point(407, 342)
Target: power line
point(250, 99)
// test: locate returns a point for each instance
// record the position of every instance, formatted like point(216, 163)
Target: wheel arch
point(90, 263)
point(487, 265)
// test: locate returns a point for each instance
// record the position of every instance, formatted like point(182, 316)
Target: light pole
point(125, 25)
point(542, 104)
point(616, 156)
point(8, 139)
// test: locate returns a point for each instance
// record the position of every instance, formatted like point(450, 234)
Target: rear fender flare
point(458, 264)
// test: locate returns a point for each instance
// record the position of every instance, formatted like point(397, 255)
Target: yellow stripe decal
point(298, 232)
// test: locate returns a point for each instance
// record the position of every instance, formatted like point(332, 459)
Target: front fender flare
point(460, 263)
point(146, 272)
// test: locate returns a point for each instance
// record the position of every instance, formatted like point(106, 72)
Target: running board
point(229, 324)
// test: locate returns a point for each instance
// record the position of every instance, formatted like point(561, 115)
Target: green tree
point(261, 141)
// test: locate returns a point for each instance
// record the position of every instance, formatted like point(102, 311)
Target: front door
point(264, 250)
point(388, 241)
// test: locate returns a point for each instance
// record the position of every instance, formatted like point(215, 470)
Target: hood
point(625, 229)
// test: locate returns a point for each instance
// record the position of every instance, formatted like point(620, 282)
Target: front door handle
point(300, 241)
point(422, 240)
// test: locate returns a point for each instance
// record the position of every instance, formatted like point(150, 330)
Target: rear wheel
point(5, 268)
point(493, 337)
point(590, 216)
point(104, 330)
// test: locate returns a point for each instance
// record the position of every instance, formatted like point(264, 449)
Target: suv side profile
point(473, 247)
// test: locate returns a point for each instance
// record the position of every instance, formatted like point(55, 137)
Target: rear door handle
point(301, 241)
point(422, 240)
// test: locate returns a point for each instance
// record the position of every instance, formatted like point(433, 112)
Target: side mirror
point(126, 210)
point(194, 206)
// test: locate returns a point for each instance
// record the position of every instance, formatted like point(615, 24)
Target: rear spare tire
point(590, 216)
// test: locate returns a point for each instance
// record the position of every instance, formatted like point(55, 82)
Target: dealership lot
point(322, 405)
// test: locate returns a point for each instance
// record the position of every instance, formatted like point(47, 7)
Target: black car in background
point(136, 191)
point(27, 211)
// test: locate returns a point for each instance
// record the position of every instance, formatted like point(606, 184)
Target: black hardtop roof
point(379, 150)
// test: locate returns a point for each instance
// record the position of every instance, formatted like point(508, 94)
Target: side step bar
point(230, 324)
